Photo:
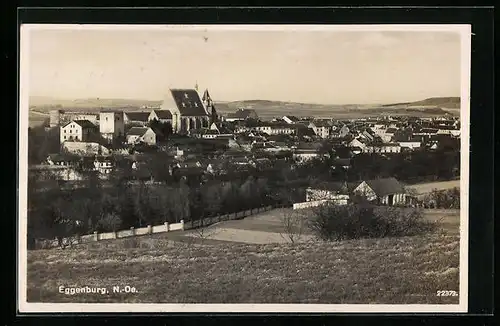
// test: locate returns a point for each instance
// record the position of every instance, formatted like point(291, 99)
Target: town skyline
point(390, 66)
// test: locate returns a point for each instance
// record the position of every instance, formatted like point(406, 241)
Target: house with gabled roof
point(322, 128)
point(137, 118)
point(276, 128)
point(385, 191)
point(77, 130)
point(163, 116)
point(142, 135)
point(290, 119)
point(217, 131)
point(307, 151)
point(358, 143)
point(426, 132)
point(242, 114)
point(187, 109)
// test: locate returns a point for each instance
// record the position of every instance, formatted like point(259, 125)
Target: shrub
point(395, 221)
point(339, 222)
point(448, 199)
point(110, 222)
point(353, 221)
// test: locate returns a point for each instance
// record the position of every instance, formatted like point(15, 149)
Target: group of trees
point(420, 166)
point(447, 199)
point(41, 143)
point(120, 204)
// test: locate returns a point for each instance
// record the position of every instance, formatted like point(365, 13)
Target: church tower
point(209, 105)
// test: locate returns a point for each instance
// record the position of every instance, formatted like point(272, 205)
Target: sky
point(324, 67)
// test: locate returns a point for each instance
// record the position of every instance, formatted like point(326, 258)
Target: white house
point(77, 130)
point(410, 144)
point(385, 148)
point(321, 128)
point(426, 132)
point(448, 131)
point(388, 191)
point(141, 135)
point(103, 165)
point(276, 129)
point(357, 143)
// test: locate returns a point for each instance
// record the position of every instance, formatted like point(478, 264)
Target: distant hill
point(42, 103)
point(267, 109)
point(264, 108)
point(441, 102)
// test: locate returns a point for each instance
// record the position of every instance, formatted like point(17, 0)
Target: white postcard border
point(25, 307)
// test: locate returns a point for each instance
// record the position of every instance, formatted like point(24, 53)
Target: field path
point(425, 188)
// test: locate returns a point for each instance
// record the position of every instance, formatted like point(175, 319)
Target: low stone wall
point(132, 232)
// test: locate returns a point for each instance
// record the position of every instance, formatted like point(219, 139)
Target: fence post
point(167, 228)
point(115, 235)
point(182, 225)
point(132, 230)
point(96, 236)
point(150, 229)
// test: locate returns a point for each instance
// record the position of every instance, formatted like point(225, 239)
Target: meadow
point(176, 268)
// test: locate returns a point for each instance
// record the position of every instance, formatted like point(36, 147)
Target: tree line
point(120, 204)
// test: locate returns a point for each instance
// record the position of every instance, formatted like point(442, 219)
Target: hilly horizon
point(41, 105)
point(93, 103)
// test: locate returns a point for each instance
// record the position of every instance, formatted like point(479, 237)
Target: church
point(188, 110)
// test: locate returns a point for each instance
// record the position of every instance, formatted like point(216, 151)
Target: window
point(106, 118)
point(64, 137)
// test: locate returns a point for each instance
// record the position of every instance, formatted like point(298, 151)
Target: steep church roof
point(187, 101)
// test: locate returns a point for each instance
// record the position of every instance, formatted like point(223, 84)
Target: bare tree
point(294, 225)
point(204, 231)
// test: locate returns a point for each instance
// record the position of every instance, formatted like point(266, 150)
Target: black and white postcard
point(244, 168)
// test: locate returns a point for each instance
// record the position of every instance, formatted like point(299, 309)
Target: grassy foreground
point(407, 270)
